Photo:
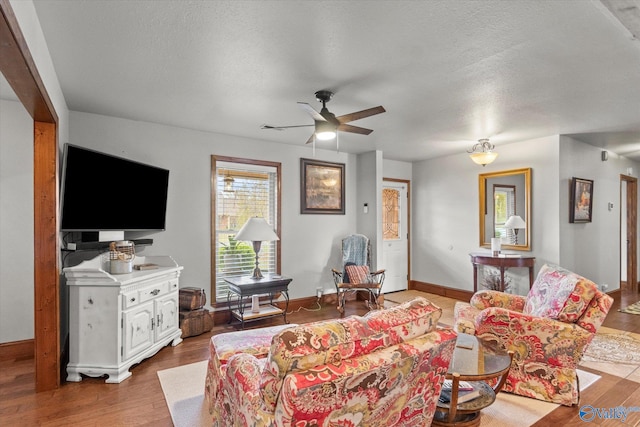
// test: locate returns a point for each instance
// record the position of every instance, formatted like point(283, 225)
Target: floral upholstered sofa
point(548, 330)
point(382, 369)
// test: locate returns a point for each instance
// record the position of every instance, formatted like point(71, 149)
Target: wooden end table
point(245, 288)
point(476, 362)
point(503, 263)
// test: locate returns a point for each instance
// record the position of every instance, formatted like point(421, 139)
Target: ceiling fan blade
point(354, 129)
point(361, 114)
point(283, 127)
point(313, 113)
point(311, 138)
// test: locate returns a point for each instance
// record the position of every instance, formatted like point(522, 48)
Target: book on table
point(462, 385)
point(463, 395)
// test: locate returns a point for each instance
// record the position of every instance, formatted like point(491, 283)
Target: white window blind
point(243, 191)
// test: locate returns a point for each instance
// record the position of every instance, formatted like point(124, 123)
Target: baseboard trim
point(444, 291)
point(16, 350)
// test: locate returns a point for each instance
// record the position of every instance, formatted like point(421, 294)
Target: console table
point(502, 262)
point(246, 287)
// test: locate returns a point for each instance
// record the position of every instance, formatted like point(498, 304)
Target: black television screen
point(101, 192)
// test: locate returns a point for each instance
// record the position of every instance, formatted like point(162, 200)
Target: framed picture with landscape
point(581, 200)
point(321, 187)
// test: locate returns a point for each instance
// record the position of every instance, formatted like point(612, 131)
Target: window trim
point(212, 243)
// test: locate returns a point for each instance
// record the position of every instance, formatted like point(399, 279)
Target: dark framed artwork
point(321, 187)
point(581, 200)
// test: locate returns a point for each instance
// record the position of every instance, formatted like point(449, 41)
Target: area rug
point(632, 309)
point(183, 389)
point(612, 347)
point(403, 296)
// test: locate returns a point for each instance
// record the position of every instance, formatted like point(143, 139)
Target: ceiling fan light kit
point(482, 153)
point(325, 131)
point(327, 124)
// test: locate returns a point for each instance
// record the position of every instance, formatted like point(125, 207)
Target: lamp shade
point(483, 158)
point(515, 222)
point(256, 229)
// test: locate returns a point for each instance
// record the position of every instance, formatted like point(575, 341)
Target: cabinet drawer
point(130, 299)
point(173, 285)
point(153, 291)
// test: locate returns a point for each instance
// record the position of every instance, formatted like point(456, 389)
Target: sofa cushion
point(331, 341)
point(559, 294)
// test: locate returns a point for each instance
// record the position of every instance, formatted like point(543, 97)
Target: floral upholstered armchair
point(385, 368)
point(548, 330)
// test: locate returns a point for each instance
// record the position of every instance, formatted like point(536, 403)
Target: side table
point(245, 288)
point(476, 362)
point(502, 262)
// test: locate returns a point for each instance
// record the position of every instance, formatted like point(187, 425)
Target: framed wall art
point(321, 187)
point(581, 200)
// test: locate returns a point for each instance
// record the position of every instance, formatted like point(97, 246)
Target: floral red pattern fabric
point(546, 350)
point(382, 369)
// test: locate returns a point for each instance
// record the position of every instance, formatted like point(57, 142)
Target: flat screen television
point(101, 192)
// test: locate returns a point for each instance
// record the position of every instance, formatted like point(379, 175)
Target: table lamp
point(256, 230)
point(515, 222)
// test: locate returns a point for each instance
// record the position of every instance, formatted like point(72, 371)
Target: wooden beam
point(47, 282)
point(20, 70)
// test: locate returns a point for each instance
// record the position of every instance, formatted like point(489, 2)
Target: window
point(242, 189)
point(505, 206)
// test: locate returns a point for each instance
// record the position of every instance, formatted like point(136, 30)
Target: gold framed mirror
point(505, 208)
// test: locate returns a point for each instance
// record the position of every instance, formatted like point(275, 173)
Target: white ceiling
point(447, 72)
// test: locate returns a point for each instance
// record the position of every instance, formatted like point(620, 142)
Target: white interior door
point(395, 236)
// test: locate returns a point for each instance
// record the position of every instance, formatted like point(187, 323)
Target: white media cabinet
point(117, 320)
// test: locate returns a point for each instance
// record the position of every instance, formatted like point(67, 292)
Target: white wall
point(445, 217)
point(310, 243)
point(16, 222)
point(592, 249)
point(369, 191)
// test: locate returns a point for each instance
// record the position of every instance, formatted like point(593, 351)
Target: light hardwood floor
point(138, 401)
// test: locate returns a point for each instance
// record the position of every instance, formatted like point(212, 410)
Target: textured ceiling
point(447, 72)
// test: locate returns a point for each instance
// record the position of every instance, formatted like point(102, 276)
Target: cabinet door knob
point(132, 299)
point(155, 292)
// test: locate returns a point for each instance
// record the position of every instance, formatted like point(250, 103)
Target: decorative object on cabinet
point(321, 187)
point(581, 200)
point(116, 321)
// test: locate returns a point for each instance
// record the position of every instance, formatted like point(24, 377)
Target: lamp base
point(257, 274)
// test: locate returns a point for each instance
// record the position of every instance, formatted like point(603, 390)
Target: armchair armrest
point(487, 298)
point(533, 339)
point(242, 392)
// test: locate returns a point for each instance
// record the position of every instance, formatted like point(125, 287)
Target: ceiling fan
point(327, 124)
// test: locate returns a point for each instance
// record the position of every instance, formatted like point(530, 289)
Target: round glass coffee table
point(485, 368)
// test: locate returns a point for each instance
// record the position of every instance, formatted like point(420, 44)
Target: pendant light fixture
point(482, 153)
